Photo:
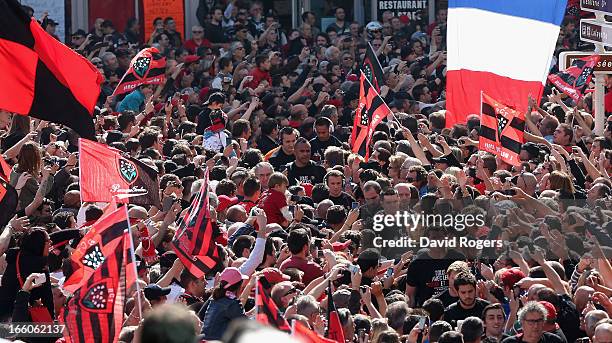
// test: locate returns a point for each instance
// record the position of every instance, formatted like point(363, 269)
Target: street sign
point(596, 32)
point(604, 6)
point(604, 66)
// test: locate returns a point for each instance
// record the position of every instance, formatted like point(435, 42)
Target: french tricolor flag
point(501, 47)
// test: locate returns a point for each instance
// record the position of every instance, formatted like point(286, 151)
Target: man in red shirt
point(261, 72)
point(197, 40)
point(274, 202)
point(252, 190)
point(298, 243)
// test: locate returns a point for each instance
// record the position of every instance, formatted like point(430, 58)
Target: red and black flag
point(266, 311)
point(194, 242)
point(334, 326)
point(501, 130)
point(575, 79)
point(42, 77)
point(103, 238)
point(147, 67)
point(369, 113)
point(302, 333)
point(106, 172)
point(372, 69)
point(95, 312)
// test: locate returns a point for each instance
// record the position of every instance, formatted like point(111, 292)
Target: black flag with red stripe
point(576, 78)
point(369, 113)
point(42, 77)
point(194, 241)
point(502, 130)
point(95, 312)
point(266, 310)
point(147, 67)
point(372, 69)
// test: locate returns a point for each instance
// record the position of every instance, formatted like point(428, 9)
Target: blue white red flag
point(502, 48)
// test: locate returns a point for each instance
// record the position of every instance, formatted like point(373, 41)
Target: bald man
point(590, 322)
point(603, 333)
point(527, 182)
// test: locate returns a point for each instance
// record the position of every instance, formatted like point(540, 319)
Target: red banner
point(162, 9)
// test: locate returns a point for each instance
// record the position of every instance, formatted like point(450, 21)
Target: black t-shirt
point(311, 173)
point(568, 319)
point(456, 312)
point(343, 200)
point(447, 299)
point(203, 120)
point(214, 33)
point(319, 146)
point(547, 337)
point(559, 333)
point(279, 159)
point(265, 144)
point(428, 275)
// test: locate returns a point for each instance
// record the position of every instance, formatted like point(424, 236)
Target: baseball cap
point(215, 97)
point(232, 276)
point(154, 291)
point(550, 309)
point(225, 202)
point(511, 277)
point(274, 275)
point(338, 246)
point(192, 58)
point(451, 161)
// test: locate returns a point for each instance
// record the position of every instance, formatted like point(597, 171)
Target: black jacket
point(28, 264)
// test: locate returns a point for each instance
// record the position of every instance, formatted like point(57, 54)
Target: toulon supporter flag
point(95, 312)
point(369, 113)
point(41, 76)
point(372, 69)
point(106, 173)
point(99, 242)
point(266, 310)
point(147, 67)
point(501, 130)
point(576, 78)
point(194, 240)
point(502, 48)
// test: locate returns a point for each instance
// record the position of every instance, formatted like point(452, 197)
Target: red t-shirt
point(258, 76)
point(247, 205)
point(192, 46)
point(311, 270)
point(272, 201)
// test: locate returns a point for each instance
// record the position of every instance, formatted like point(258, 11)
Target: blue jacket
point(132, 102)
point(217, 314)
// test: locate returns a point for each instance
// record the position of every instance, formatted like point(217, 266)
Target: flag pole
point(256, 296)
point(133, 253)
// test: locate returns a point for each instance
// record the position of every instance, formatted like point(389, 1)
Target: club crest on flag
point(99, 297)
point(128, 170)
point(502, 121)
point(93, 258)
point(141, 66)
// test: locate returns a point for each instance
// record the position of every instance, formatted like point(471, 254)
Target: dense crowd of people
point(267, 112)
